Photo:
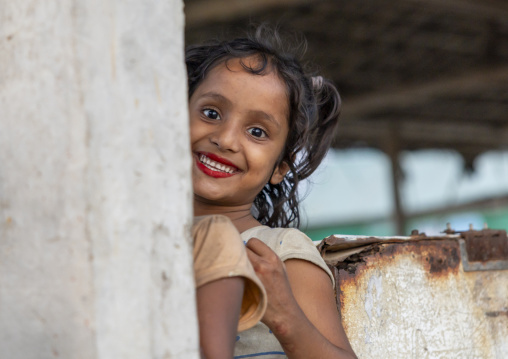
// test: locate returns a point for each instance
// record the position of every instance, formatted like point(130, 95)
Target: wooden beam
point(487, 8)
point(482, 204)
point(201, 12)
point(422, 93)
point(441, 133)
point(392, 148)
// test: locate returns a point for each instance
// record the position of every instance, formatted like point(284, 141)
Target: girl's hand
point(301, 309)
point(272, 273)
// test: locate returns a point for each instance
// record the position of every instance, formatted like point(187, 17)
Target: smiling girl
point(259, 125)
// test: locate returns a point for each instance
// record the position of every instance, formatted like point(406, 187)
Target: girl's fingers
point(272, 273)
point(252, 256)
point(261, 255)
point(258, 247)
point(255, 252)
point(263, 259)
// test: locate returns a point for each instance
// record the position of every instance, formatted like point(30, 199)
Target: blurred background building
point(423, 138)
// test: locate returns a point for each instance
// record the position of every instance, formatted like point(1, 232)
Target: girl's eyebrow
point(217, 96)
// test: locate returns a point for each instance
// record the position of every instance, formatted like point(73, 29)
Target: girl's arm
point(301, 311)
point(218, 307)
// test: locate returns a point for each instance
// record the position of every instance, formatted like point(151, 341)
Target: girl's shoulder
point(269, 235)
point(288, 243)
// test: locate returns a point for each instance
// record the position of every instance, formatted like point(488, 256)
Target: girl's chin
point(219, 200)
point(211, 189)
point(210, 198)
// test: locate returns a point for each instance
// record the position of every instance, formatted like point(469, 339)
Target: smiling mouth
point(215, 166)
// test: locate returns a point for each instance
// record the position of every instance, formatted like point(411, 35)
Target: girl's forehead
point(253, 65)
point(246, 70)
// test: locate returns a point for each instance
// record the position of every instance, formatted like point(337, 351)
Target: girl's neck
point(240, 215)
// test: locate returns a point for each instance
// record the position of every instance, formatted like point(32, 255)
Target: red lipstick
point(219, 159)
point(211, 172)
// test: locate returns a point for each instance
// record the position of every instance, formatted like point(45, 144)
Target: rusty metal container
point(423, 297)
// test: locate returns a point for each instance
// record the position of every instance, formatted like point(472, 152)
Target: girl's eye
point(212, 114)
point(257, 132)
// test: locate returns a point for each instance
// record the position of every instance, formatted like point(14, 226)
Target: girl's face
point(238, 128)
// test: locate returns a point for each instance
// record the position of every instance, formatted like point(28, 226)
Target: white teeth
point(215, 165)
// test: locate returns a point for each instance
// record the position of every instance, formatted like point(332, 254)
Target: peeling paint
point(374, 292)
point(412, 299)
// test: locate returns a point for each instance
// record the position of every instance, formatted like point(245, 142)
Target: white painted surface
point(395, 308)
point(95, 258)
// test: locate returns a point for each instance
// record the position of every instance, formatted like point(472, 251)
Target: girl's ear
point(279, 172)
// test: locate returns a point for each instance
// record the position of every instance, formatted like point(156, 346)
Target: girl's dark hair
point(314, 107)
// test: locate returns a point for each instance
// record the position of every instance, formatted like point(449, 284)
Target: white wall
point(95, 257)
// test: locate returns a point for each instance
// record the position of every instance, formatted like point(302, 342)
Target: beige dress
point(288, 243)
point(219, 252)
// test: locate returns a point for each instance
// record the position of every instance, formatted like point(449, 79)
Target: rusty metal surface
point(480, 250)
point(341, 242)
point(486, 245)
point(412, 299)
point(484, 250)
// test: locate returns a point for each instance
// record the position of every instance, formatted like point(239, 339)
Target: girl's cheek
point(194, 129)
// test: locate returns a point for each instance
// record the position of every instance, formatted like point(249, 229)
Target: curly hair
point(314, 108)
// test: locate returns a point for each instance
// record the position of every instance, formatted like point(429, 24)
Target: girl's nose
point(226, 137)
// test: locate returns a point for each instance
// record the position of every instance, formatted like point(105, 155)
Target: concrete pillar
point(95, 191)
